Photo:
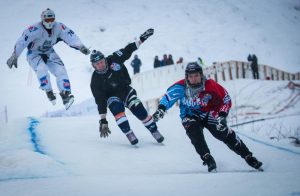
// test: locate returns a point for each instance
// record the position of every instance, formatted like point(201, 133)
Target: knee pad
point(135, 105)
point(66, 84)
point(131, 99)
point(115, 105)
point(45, 83)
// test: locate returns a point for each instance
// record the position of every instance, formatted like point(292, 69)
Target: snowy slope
point(77, 162)
point(215, 30)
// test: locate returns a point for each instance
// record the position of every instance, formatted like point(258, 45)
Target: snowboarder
point(110, 85)
point(204, 104)
point(39, 40)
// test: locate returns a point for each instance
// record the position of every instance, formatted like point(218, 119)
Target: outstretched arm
point(125, 53)
point(24, 41)
point(174, 93)
point(70, 38)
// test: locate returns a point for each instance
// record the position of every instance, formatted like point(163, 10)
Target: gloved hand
point(222, 122)
point(85, 50)
point(13, 60)
point(103, 128)
point(146, 35)
point(159, 113)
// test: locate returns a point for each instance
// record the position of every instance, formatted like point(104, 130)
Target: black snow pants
point(194, 129)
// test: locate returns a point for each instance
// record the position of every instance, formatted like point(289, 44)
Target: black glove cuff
point(103, 121)
point(142, 39)
point(162, 107)
point(223, 114)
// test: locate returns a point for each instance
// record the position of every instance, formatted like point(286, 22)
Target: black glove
point(13, 60)
point(159, 113)
point(103, 128)
point(146, 35)
point(222, 122)
point(85, 50)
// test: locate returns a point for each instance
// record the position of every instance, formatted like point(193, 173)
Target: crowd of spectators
point(166, 60)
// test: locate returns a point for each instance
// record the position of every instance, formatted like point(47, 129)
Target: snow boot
point(67, 98)
point(157, 136)
point(131, 137)
point(253, 162)
point(51, 97)
point(210, 162)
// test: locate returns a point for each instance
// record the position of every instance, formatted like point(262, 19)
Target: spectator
point(180, 60)
point(170, 60)
point(254, 66)
point(156, 62)
point(136, 63)
point(164, 60)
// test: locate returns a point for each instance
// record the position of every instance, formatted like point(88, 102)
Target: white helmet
point(48, 18)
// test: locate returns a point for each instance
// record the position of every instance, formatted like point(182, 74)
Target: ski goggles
point(49, 19)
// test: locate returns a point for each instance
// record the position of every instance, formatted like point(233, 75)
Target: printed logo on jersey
point(115, 66)
point(66, 84)
point(32, 28)
point(63, 27)
point(46, 46)
point(71, 33)
point(206, 98)
point(119, 53)
point(174, 93)
point(227, 98)
point(43, 81)
point(197, 102)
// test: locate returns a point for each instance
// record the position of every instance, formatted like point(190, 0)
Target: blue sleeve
point(173, 94)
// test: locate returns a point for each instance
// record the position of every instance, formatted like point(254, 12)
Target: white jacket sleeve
point(27, 37)
point(69, 37)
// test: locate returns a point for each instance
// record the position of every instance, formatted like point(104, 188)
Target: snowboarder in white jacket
point(39, 39)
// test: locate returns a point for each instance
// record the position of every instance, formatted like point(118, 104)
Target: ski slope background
point(215, 30)
point(65, 156)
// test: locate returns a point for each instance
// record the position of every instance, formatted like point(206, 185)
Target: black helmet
point(96, 56)
point(192, 68)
